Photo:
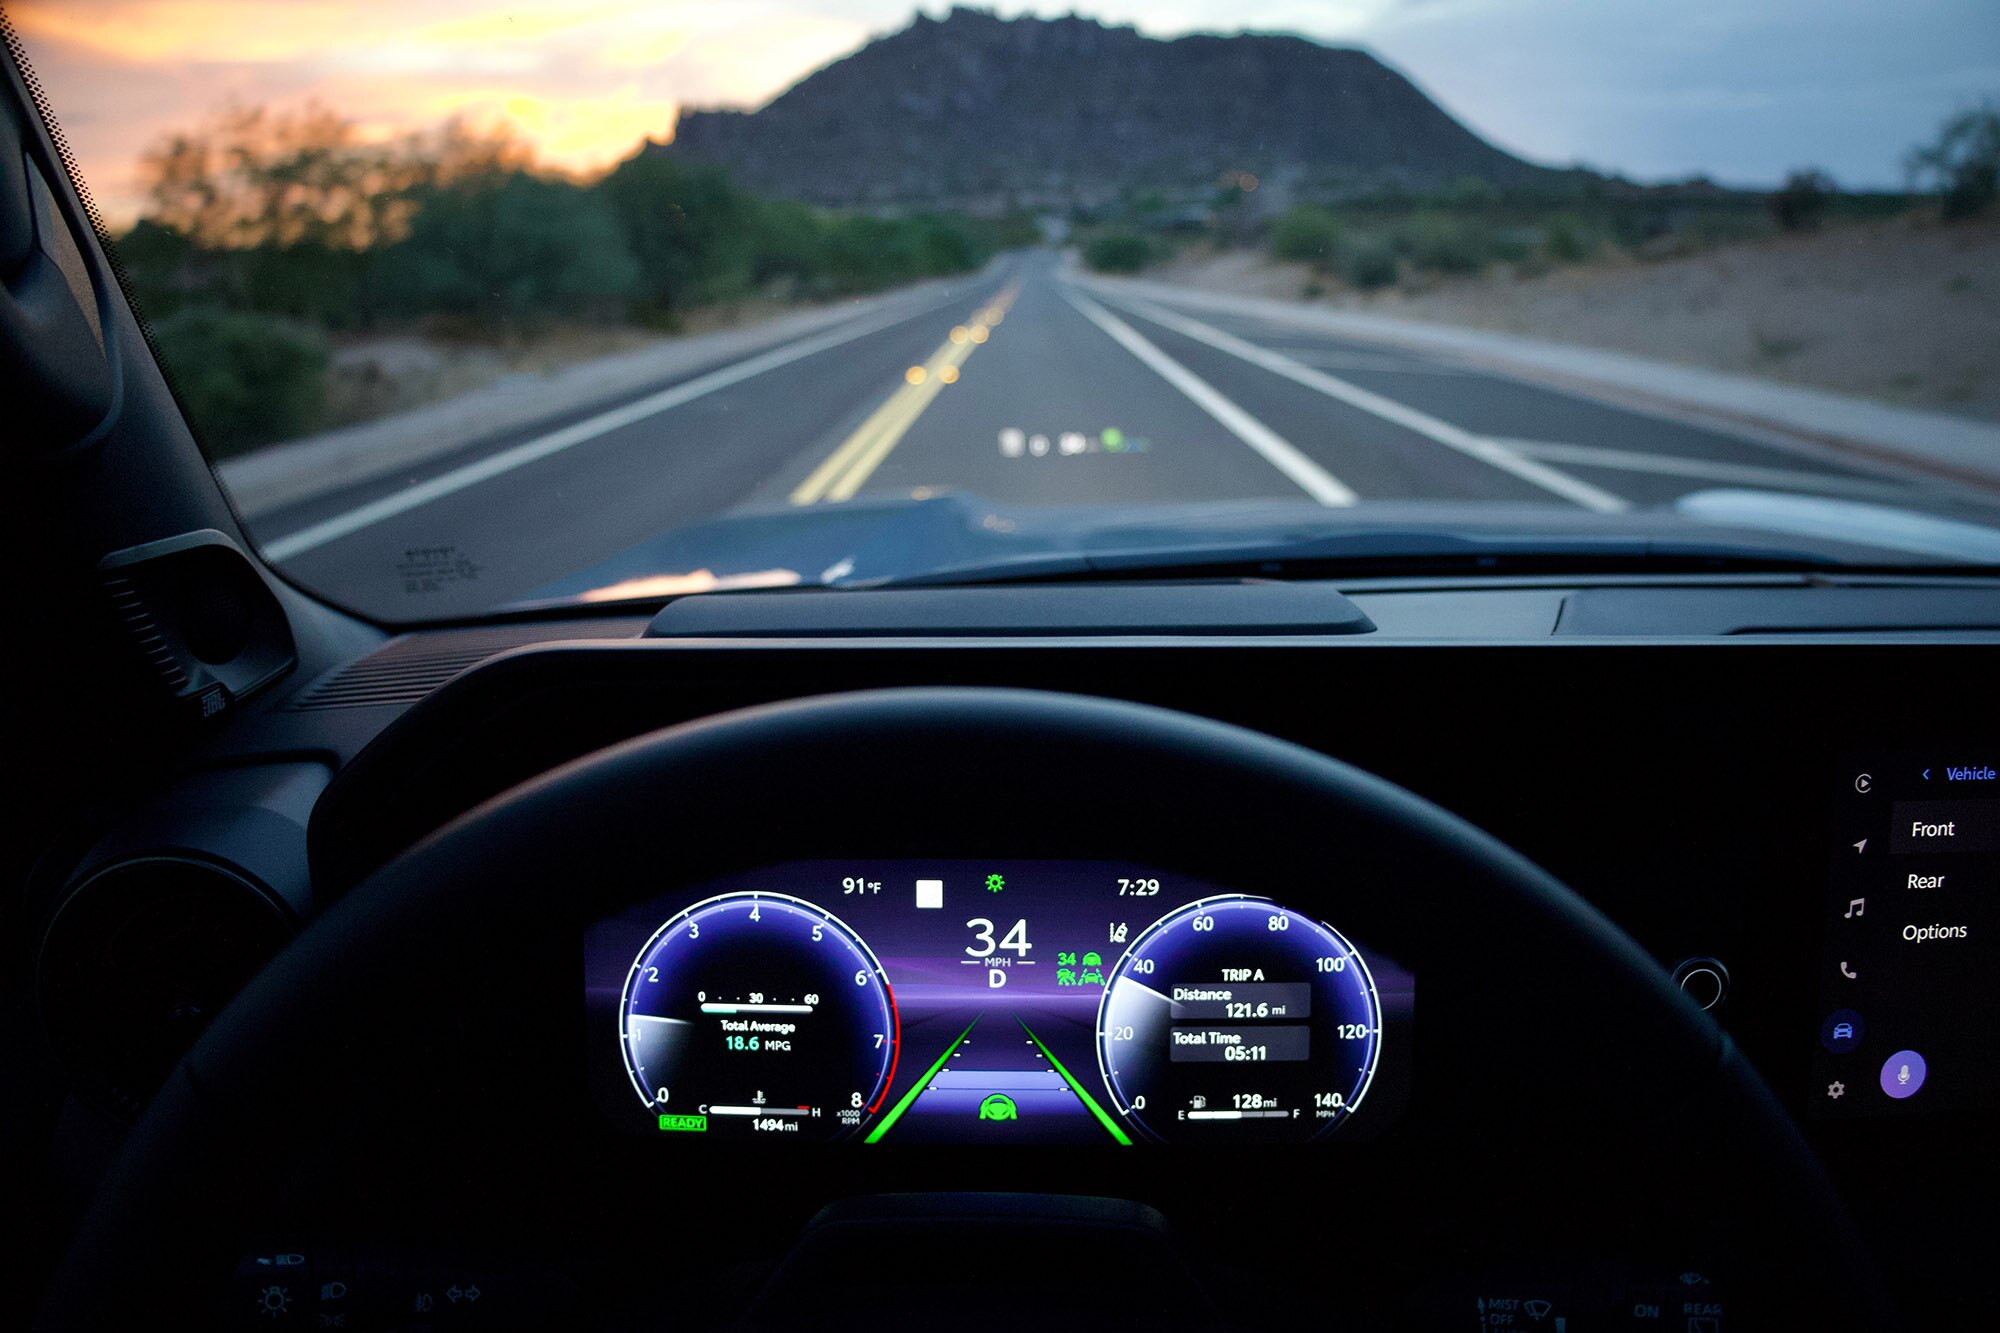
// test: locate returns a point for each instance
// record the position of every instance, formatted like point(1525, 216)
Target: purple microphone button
point(1903, 1073)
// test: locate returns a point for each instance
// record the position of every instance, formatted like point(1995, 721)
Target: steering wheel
point(434, 1013)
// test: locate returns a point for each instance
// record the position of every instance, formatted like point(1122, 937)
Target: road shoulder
point(1931, 442)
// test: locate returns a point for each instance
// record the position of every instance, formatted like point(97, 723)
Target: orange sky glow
point(582, 81)
point(1741, 90)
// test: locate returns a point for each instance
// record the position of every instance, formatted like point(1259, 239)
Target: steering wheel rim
point(836, 769)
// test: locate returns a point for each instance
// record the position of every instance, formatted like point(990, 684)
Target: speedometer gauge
point(1235, 1020)
point(756, 1014)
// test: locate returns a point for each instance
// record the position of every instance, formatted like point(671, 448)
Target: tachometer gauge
point(759, 1014)
point(1235, 1020)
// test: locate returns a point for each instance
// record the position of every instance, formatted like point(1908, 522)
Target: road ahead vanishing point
point(1028, 385)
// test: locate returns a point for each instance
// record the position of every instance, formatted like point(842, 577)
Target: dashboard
point(991, 1001)
point(897, 978)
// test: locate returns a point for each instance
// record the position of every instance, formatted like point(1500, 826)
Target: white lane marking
point(1279, 452)
point(1487, 451)
point(1705, 469)
point(543, 446)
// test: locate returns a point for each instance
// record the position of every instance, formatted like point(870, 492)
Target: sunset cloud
point(583, 81)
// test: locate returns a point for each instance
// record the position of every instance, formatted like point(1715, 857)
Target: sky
point(1740, 90)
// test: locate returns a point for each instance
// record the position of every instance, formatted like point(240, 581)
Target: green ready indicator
point(684, 1124)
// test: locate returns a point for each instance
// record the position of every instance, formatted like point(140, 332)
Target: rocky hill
point(973, 109)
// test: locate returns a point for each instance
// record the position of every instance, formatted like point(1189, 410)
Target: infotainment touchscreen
point(1909, 1013)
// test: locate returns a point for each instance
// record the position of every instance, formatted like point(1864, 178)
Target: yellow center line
point(915, 398)
point(850, 465)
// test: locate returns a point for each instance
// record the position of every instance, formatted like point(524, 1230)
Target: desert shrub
point(513, 247)
point(942, 243)
point(1470, 192)
point(1117, 252)
point(1443, 243)
point(690, 233)
point(1712, 227)
point(1015, 230)
point(788, 243)
point(159, 262)
point(244, 379)
point(1567, 241)
point(308, 280)
point(1800, 204)
point(1369, 265)
point(1963, 167)
point(321, 284)
point(863, 253)
point(1307, 233)
point(1513, 245)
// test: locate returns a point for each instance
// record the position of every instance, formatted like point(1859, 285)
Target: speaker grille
point(406, 669)
point(129, 605)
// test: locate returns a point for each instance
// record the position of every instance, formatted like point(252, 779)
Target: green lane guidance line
point(1103, 1117)
point(896, 1111)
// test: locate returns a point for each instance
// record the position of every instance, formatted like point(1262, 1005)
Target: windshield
point(477, 306)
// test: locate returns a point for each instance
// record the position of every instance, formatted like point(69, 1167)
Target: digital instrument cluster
point(990, 1001)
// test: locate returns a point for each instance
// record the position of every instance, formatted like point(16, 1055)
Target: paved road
point(1024, 386)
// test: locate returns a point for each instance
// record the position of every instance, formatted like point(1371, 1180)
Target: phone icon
point(1847, 971)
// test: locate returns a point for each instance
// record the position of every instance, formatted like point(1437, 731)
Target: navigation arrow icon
point(1927, 775)
point(1861, 846)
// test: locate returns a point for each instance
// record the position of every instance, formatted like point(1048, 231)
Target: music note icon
point(1855, 908)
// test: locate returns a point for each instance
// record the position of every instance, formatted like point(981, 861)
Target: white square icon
point(930, 893)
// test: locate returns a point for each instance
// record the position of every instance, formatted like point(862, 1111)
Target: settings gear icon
point(995, 883)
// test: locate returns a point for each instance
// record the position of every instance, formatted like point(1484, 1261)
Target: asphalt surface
point(1024, 386)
